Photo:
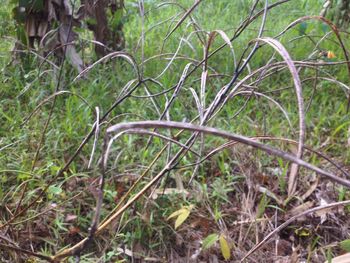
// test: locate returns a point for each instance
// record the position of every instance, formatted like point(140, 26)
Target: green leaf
point(91, 21)
point(345, 245)
point(210, 240)
point(304, 4)
point(225, 248)
point(302, 28)
point(116, 19)
point(23, 176)
point(264, 201)
point(21, 35)
point(324, 27)
point(55, 190)
point(329, 255)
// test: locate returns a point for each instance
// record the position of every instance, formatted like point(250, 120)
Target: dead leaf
point(73, 230)
point(292, 183)
point(323, 212)
point(70, 218)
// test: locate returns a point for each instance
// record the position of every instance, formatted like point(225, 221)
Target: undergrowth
point(114, 198)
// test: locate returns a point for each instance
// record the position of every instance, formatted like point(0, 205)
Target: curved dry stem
point(44, 59)
point(188, 12)
point(227, 135)
point(97, 132)
point(144, 132)
point(283, 52)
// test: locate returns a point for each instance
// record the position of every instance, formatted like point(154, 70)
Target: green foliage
point(345, 245)
point(210, 240)
point(263, 203)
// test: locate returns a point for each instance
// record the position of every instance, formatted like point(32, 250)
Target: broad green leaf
point(225, 248)
point(91, 21)
point(210, 240)
point(345, 245)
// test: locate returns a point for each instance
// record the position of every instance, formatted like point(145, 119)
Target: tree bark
point(111, 38)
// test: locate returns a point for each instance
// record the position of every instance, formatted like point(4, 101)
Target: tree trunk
point(37, 18)
point(107, 33)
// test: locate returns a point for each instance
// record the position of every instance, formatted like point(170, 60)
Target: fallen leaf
point(225, 248)
point(181, 214)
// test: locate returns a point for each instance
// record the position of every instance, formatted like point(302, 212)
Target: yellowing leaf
point(330, 54)
point(181, 215)
point(181, 218)
point(302, 232)
point(225, 248)
point(177, 213)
